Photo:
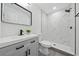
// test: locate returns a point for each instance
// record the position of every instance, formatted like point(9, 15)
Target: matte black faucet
point(21, 32)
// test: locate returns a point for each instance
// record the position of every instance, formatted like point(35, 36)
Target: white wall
point(44, 25)
point(36, 16)
point(77, 30)
point(12, 29)
point(0, 21)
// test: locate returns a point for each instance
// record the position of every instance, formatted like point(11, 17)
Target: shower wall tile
point(59, 24)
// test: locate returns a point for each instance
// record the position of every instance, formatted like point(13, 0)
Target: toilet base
point(44, 50)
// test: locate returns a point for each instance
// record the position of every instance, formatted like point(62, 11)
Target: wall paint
point(44, 25)
point(0, 21)
point(77, 30)
point(12, 29)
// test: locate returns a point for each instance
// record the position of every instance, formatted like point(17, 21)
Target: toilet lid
point(45, 42)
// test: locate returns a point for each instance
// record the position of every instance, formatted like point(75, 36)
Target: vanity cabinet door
point(32, 48)
point(19, 52)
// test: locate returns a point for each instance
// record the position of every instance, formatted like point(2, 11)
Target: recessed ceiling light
point(54, 8)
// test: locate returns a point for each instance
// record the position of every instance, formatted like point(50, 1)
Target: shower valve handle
point(70, 27)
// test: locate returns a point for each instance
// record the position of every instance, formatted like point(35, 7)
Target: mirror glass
point(15, 14)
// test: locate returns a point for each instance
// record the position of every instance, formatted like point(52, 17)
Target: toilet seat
point(45, 43)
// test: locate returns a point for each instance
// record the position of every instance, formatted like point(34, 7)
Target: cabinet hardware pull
point(29, 51)
point(32, 41)
point(20, 47)
point(26, 53)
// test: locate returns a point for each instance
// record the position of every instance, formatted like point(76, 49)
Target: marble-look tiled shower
point(59, 27)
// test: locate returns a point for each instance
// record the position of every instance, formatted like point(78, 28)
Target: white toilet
point(44, 47)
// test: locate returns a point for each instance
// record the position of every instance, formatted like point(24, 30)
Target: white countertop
point(15, 39)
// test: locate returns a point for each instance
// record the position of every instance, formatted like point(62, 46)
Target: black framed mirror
point(14, 13)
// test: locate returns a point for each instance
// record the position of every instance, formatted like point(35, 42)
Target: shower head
point(68, 10)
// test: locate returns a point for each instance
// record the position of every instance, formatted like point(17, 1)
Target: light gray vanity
point(21, 46)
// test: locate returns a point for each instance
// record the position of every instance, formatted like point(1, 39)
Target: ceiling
point(52, 7)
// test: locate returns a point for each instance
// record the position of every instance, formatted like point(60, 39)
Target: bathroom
point(39, 29)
